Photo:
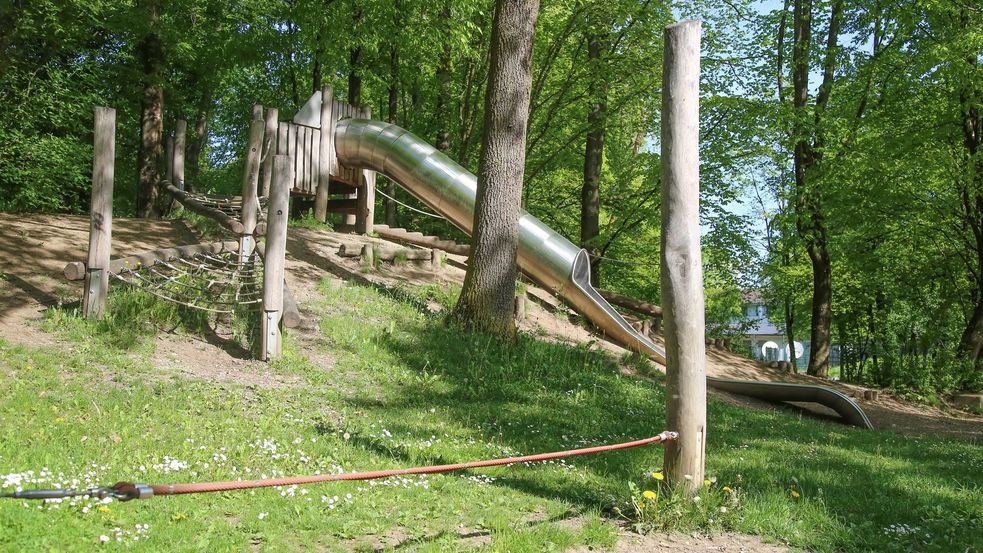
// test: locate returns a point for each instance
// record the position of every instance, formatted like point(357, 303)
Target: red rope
point(205, 487)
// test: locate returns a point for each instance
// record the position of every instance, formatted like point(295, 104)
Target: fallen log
point(640, 306)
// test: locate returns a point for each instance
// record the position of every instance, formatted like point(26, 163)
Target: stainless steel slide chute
point(546, 256)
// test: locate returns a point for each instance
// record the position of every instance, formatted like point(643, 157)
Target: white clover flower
point(262, 516)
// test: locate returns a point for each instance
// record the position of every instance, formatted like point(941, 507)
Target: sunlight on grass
point(405, 390)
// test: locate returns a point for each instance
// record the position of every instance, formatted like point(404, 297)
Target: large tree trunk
point(822, 314)
point(590, 194)
point(971, 98)
point(150, 52)
point(487, 298)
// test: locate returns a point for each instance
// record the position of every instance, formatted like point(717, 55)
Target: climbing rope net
point(214, 282)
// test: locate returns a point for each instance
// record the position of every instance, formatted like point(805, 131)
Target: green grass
point(408, 390)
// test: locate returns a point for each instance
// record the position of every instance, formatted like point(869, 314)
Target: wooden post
point(681, 267)
point(436, 259)
point(520, 307)
point(101, 222)
point(180, 139)
point(365, 213)
point(250, 181)
point(271, 341)
point(368, 255)
point(169, 158)
point(269, 150)
point(325, 152)
point(257, 112)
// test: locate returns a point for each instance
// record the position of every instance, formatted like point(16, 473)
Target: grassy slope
point(406, 391)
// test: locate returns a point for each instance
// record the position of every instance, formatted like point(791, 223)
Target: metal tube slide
point(546, 256)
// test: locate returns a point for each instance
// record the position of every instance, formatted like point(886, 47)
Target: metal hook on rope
point(121, 491)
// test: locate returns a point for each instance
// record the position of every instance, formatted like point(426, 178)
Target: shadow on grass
point(531, 396)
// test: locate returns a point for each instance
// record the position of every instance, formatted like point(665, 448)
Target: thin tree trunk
point(444, 85)
point(971, 98)
point(393, 108)
point(590, 193)
point(807, 155)
point(197, 143)
point(487, 297)
point(151, 55)
point(355, 65)
point(789, 337)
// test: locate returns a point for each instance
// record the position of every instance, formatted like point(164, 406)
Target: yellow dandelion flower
point(727, 489)
point(706, 482)
point(650, 495)
point(179, 516)
point(658, 476)
point(59, 419)
point(641, 504)
point(103, 509)
point(794, 493)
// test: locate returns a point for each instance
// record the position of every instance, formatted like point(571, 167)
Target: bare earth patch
point(35, 248)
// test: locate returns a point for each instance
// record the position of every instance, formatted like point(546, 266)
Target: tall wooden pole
point(250, 181)
point(681, 267)
point(325, 155)
point(271, 342)
point(101, 222)
point(269, 150)
point(180, 139)
point(365, 211)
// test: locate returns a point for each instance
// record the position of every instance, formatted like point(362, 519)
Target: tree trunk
point(444, 85)
point(393, 108)
point(355, 65)
point(807, 154)
point(822, 314)
point(789, 337)
point(197, 144)
point(487, 297)
point(971, 98)
point(150, 52)
point(590, 194)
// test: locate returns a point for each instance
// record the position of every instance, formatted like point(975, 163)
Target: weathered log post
point(169, 158)
point(101, 221)
point(269, 150)
point(250, 181)
point(368, 255)
point(436, 259)
point(681, 267)
point(365, 212)
point(325, 155)
point(271, 340)
point(175, 160)
point(180, 140)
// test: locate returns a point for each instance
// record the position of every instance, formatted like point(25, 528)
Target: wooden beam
point(271, 340)
point(76, 270)
point(270, 146)
point(627, 302)
point(681, 266)
point(218, 216)
point(101, 220)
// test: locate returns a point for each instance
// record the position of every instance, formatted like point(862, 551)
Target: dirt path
point(35, 248)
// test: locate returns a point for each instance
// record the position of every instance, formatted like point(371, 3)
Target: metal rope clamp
point(121, 491)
